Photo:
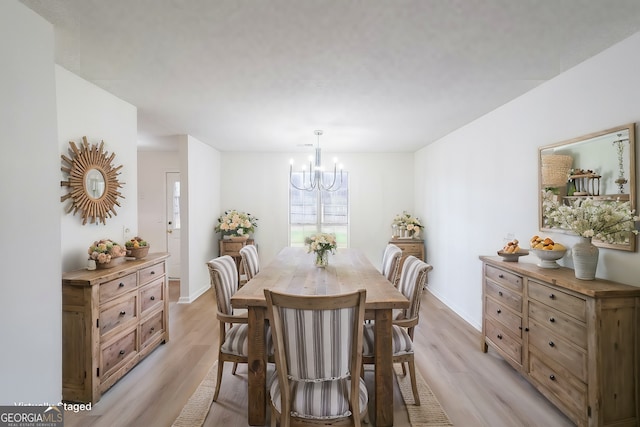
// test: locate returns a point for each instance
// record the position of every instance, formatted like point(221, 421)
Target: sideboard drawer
point(150, 273)
point(151, 328)
point(116, 354)
point(118, 313)
point(561, 301)
point(117, 287)
point(151, 296)
point(505, 342)
point(503, 277)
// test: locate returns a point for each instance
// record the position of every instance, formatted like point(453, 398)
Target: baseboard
point(194, 296)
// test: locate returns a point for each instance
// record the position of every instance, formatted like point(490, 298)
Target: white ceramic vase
point(585, 259)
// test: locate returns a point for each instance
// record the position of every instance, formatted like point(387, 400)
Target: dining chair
point(390, 262)
point(318, 348)
point(233, 326)
point(412, 279)
point(250, 261)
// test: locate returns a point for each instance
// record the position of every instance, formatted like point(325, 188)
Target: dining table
point(293, 271)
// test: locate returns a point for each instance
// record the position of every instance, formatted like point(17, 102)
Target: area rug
point(428, 414)
point(195, 411)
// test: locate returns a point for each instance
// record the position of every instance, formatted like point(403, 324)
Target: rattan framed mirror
point(92, 181)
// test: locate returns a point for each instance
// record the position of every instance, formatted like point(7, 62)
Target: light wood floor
point(475, 389)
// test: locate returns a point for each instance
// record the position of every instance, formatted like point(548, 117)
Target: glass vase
point(322, 259)
point(585, 259)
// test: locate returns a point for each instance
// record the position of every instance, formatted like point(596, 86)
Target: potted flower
point(406, 225)
point(236, 224)
point(321, 244)
point(106, 253)
point(607, 221)
point(137, 247)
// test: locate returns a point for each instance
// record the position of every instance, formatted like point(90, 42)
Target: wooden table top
point(293, 271)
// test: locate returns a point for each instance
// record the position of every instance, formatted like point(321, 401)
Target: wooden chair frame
point(315, 302)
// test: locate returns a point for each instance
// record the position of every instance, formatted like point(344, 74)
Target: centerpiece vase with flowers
point(608, 221)
point(107, 253)
point(236, 225)
point(321, 245)
point(406, 226)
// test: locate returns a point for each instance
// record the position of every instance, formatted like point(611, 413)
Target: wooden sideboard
point(111, 319)
point(576, 341)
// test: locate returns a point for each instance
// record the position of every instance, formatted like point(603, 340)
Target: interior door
point(173, 223)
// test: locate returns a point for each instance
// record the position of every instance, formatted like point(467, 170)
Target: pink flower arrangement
point(104, 250)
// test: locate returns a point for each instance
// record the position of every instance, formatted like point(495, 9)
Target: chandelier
point(314, 178)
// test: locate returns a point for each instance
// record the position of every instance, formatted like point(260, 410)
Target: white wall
point(152, 216)
point(479, 183)
point(381, 186)
point(30, 256)
point(86, 110)
point(200, 199)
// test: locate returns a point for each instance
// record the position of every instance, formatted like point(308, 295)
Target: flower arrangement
point(236, 223)
point(321, 244)
point(104, 250)
point(408, 221)
point(610, 222)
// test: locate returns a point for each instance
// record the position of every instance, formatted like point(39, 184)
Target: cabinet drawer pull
point(152, 272)
point(498, 311)
point(552, 344)
point(122, 313)
point(500, 293)
point(499, 336)
point(151, 330)
point(122, 352)
point(501, 276)
point(152, 298)
point(552, 319)
point(121, 285)
point(552, 377)
point(552, 296)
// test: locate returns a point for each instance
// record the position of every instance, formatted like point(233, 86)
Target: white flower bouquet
point(236, 223)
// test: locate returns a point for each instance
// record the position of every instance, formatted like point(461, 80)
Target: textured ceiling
point(374, 75)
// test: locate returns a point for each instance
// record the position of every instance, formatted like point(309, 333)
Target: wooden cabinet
point(576, 341)
point(409, 247)
point(111, 319)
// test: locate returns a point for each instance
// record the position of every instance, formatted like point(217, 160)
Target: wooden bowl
point(513, 256)
point(138, 253)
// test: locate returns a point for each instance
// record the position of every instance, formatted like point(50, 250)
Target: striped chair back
point(250, 261)
point(317, 341)
point(391, 261)
point(412, 280)
point(224, 280)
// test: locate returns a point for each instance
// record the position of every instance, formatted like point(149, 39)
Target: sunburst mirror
point(92, 181)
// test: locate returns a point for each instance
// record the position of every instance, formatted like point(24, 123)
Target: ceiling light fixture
point(315, 179)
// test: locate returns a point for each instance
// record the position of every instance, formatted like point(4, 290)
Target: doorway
point(173, 223)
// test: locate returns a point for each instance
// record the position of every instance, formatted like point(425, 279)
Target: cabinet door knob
point(121, 285)
point(122, 352)
point(552, 377)
point(152, 272)
point(499, 336)
point(552, 319)
point(500, 293)
point(152, 298)
point(498, 311)
point(551, 344)
point(501, 276)
point(151, 330)
point(552, 296)
point(526, 329)
point(122, 313)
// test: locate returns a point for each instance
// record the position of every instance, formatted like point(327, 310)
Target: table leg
point(257, 367)
point(383, 368)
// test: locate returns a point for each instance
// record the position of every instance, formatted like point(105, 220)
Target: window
point(319, 211)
